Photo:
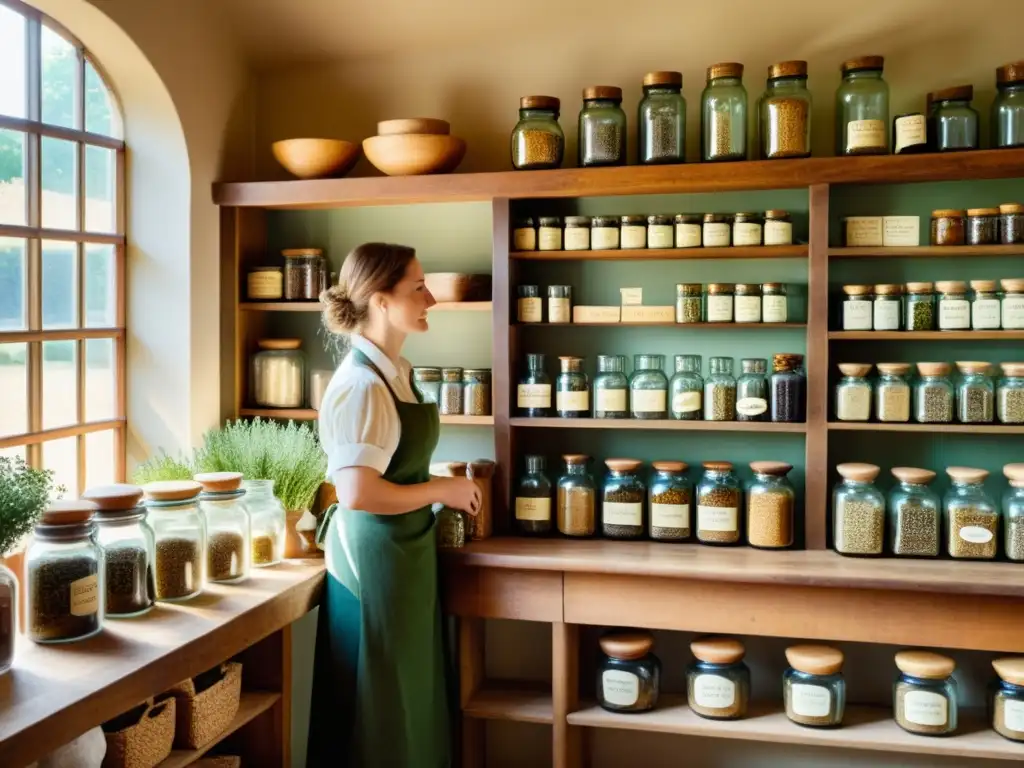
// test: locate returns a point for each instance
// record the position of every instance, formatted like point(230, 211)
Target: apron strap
point(364, 360)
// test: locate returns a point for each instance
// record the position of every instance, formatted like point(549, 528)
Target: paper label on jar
point(910, 130)
point(887, 315)
point(533, 509)
point(853, 404)
point(925, 708)
point(719, 309)
point(524, 239)
point(577, 238)
point(748, 309)
point(688, 235)
point(1013, 714)
point(670, 515)
point(975, 534)
point(985, 314)
point(620, 688)
point(572, 401)
point(659, 236)
point(857, 315)
point(604, 238)
point(533, 396)
point(550, 238)
point(558, 311)
point(746, 233)
point(265, 285)
point(751, 406)
point(633, 237)
point(531, 310)
point(620, 513)
point(686, 402)
point(773, 309)
point(1013, 313)
point(861, 134)
point(810, 700)
point(85, 596)
point(716, 235)
point(954, 314)
point(649, 400)
point(716, 518)
point(714, 692)
point(610, 400)
point(778, 232)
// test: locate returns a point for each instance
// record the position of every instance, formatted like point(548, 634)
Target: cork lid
point(69, 512)
point(775, 213)
point(725, 69)
point(985, 286)
point(888, 289)
point(920, 287)
point(913, 475)
point(967, 474)
point(956, 93)
point(627, 643)
point(863, 62)
point(982, 211)
point(219, 482)
point(1011, 208)
point(718, 650)
point(171, 490)
point(1014, 472)
point(114, 498)
point(858, 472)
point(1013, 284)
point(925, 664)
point(664, 78)
point(540, 102)
point(788, 69)
point(894, 369)
point(1010, 73)
point(951, 286)
point(815, 659)
point(934, 369)
point(602, 92)
point(457, 468)
point(279, 344)
point(973, 366)
point(575, 458)
point(717, 466)
point(1012, 369)
point(670, 466)
point(715, 288)
point(948, 213)
point(857, 290)
point(1010, 669)
point(295, 253)
point(855, 369)
point(777, 468)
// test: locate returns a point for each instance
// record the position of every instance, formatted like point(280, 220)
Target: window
point(62, 245)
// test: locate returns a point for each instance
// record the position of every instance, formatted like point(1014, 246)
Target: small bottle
point(623, 500)
point(686, 389)
point(530, 308)
point(611, 388)
point(670, 496)
point(955, 121)
point(719, 303)
point(788, 389)
point(1008, 107)
point(533, 394)
point(549, 233)
point(661, 120)
point(771, 500)
point(538, 142)
point(724, 114)
point(853, 392)
point(785, 112)
point(886, 309)
point(925, 694)
point(648, 388)
point(577, 497)
point(524, 234)
point(559, 303)
point(773, 303)
point(862, 108)
point(858, 511)
point(718, 682)
point(857, 308)
point(985, 305)
point(716, 233)
point(602, 127)
point(719, 505)
point(572, 397)
point(752, 390)
point(954, 308)
point(747, 303)
point(533, 499)
point(813, 687)
point(915, 514)
point(628, 674)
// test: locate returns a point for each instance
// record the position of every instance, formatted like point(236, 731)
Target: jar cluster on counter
point(650, 393)
point(947, 305)
point(457, 391)
point(304, 275)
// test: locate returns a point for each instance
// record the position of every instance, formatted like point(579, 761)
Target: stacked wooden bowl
point(414, 147)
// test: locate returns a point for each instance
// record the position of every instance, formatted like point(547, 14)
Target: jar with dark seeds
point(720, 391)
point(972, 517)
point(1010, 394)
point(719, 509)
point(915, 514)
point(622, 500)
point(975, 395)
point(602, 127)
point(788, 389)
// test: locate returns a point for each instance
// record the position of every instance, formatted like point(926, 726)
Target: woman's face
point(407, 303)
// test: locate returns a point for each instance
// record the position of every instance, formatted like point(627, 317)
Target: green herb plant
point(24, 494)
point(162, 467)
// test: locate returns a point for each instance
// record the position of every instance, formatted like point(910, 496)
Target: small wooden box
point(649, 314)
point(591, 314)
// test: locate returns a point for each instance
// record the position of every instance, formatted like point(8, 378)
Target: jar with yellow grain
point(538, 142)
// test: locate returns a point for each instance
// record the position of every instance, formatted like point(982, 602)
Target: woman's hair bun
point(368, 269)
point(341, 315)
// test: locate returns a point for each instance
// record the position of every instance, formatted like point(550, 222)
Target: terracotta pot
point(300, 535)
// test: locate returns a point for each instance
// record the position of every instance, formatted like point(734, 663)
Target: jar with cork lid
point(530, 306)
point(723, 131)
point(661, 119)
point(1008, 107)
point(718, 304)
point(887, 309)
point(915, 514)
point(228, 531)
point(972, 517)
point(925, 693)
point(633, 232)
point(533, 498)
point(549, 233)
point(1012, 314)
point(688, 230)
point(602, 127)
point(180, 532)
point(1013, 513)
point(934, 394)
point(533, 393)
point(451, 402)
point(686, 389)
point(648, 388)
point(559, 303)
point(1011, 223)
point(524, 234)
point(954, 120)
point(771, 502)
point(1008, 698)
point(948, 226)
point(853, 392)
point(623, 499)
point(892, 392)
point(919, 307)
point(572, 389)
point(305, 274)
point(1010, 394)
point(660, 232)
point(718, 682)
point(129, 549)
point(576, 236)
point(813, 687)
point(985, 305)
point(747, 303)
point(716, 232)
point(774, 305)
point(747, 229)
point(788, 389)
point(858, 511)
point(975, 394)
point(857, 308)
point(954, 308)
point(785, 112)
point(778, 227)
point(628, 674)
point(982, 226)
point(538, 142)
point(611, 388)
point(576, 498)
point(719, 497)
point(670, 495)
point(862, 108)
point(604, 233)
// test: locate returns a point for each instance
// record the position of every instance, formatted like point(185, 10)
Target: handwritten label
point(714, 692)
point(620, 688)
point(533, 396)
point(533, 509)
point(810, 700)
point(925, 708)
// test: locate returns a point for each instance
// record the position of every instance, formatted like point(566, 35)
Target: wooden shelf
point(656, 254)
point(316, 306)
point(926, 335)
point(468, 421)
point(686, 326)
point(308, 414)
point(867, 728)
point(927, 251)
point(658, 424)
point(252, 705)
point(962, 429)
point(513, 700)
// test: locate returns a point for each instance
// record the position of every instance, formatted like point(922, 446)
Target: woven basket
point(146, 742)
point(224, 761)
point(205, 710)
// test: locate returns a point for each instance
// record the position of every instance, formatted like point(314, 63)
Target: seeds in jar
point(1015, 538)
point(178, 568)
point(262, 550)
point(718, 516)
point(972, 532)
point(769, 520)
point(976, 406)
point(786, 128)
point(1011, 405)
point(859, 527)
point(903, 690)
point(225, 555)
point(671, 506)
point(64, 598)
point(936, 404)
point(917, 529)
point(539, 148)
point(576, 511)
point(130, 587)
point(720, 403)
point(623, 504)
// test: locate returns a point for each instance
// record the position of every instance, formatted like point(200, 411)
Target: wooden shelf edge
point(513, 701)
point(687, 326)
point(927, 251)
point(316, 306)
point(462, 306)
point(962, 429)
point(926, 335)
point(658, 424)
point(668, 254)
point(308, 414)
point(252, 705)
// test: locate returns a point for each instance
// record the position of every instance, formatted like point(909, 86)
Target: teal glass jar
point(648, 388)
point(858, 511)
point(915, 514)
point(934, 394)
point(720, 390)
point(623, 500)
point(785, 112)
point(661, 120)
point(670, 496)
point(611, 388)
point(572, 390)
point(687, 389)
point(862, 108)
point(538, 142)
point(975, 394)
point(628, 674)
point(1010, 394)
point(1008, 107)
point(955, 121)
point(602, 127)
point(1013, 513)
point(723, 107)
point(533, 394)
point(718, 682)
point(534, 495)
point(925, 694)
point(1008, 698)
point(972, 517)
point(813, 687)
point(752, 390)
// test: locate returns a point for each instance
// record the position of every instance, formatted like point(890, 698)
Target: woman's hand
point(458, 493)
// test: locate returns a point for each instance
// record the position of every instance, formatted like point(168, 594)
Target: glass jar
point(716, 232)
point(909, 134)
point(919, 309)
point(925, 694)
point(934, 394)
point(1008, 699)
point(524, 234)
point(853, 392)
point(746, 229)
point(604, 233)
point(602, 127)
point(267, 521)
point(718, 682)
point(982, 226)
point(660, 232)
point(915, 514)
point(774, 303)
point(549, 234)
point(892, 392)
point(771, 503)
point(633, 232)
point(858, 308)
point(228, 534)
point(577, 233)
point(813, 687)
point(648, 388)
point(451, 392)
point(129, 549)
point(862, 108)
point(476, 392)
point(954, 308)
point(785, 112)
point(886, 309)
point(1011, 223)
point(720, 390)
point(688, 230)
point(428, 383)
point(1010, 394)
point(671, 501)
point(955, 121)
point(747, 303)
point(687, 388)
point(778, 228)
point(1008, 107)
point(985, 305)
point(180, 531)
point(265, 284)
point(533, 394)
point(9, 613)
point(530, 308)
point(279, 374)
point(949, 226)
point(718, 504)
point(723, 129)
point(788, 387)
point(305, 274)
point(572, 390)
point(972, 518)
point(628, 674)
point(718, 306)
point(688, 303)
point(661, 119)
point(576, 498)
point(752, 390)
point(452, 527)
point(537, 140)
point(975, 394)
point(1012, 314)
point(533, 498)
point(622, 500)
point(611, 388)
point(1013, 513)
point(858, 511)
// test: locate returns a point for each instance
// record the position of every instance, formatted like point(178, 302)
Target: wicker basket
point(224, 761)
point(207, 704)
point(141, 738)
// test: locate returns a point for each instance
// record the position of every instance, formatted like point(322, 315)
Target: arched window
point(62, 245)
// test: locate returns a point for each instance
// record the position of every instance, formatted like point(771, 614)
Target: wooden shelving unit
point(926, 335)
point(668, 254)
point(657, 424)
point(952, 429)
point(680, 326)
point(315, 306)
point(927, 251)
point(308, 414)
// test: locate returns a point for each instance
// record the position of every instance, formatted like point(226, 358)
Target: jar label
point(649, 400)
point(686, 402)
point(670, 515)
point(810, 700)
point(748, 309)
point(265, 285)
point(524, 239)
point(604, 238)
point(864, 231)
point(975, 534)
point(719, 309)
point(610, 400)
point(85, 596)
point(558, 311)
point(716, 518)
point(550, 238)
point(716, 235)
point(751, 406)
point(714, 692)
point(621, 513)
point(778, 232)
point(954, 314)
point(533, 396)
point(620, 688)
point(687, 235)
point(577, 238)
point(861, 134)
point(857, 315)
point(901, 231)
point(1013, 313)
point(985, 314)
point(533, 509)
point(853, 404)
point(1013, 714)
point(887, 315)
point(572, 401)
point(531, 310)
point(894, 404)
point(925, 708)
point(910, 130)
point(633, 237)
point(773, 309)
point(746, 233)
point(659, 236)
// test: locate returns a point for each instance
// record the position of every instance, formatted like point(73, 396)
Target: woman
point(380, 695)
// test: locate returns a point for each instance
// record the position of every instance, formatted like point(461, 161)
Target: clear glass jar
point(909, 134)
point(428, 383)
point(533, 394)
point(915, 514)
point(718, 682)
point(954, 308)
point(604, 233)
point(8, 616)
point(723, 129)
point(577, 234)
point(719, 497)
point(265, 284)
point(279, 374)
point(180, 531)
point(919, 307)
point(886, 309)
point(476, 392)
point(451, 392)
point(452, 527)
point(1012, 314)
point(862, 108)
point(537, 140)
point(949, 226)
point(972, 518)
point(533, 498)
point(1008, 699)
point(688, 230)
point(858, 511)
point(718, 304)
point(716, 232)
point(661, 119)
point(633, 232)
point(747, 303)
point(1013, 513)
point(305, 274)
point(985, 305)
point(549, 234)
point(955, 121)
point(129, 550)
point(1010, 394)
point(778, 230)
point(611, 388)
point(892, 392)
point(689, 298)
point(602, 127)
point(720, 390)
point(747, 229)
point(577, 496)
point(228, 533)
point(1011, 223)
point(771, 506)
point(687, 389)
point(670, 495)
point(785, 112)
point(267, 521)
point(660, 232)
point(858, 305)
point(524, 234)
point(813, 687)
point(628, 674)
point(530, 307)
point(975, 394)
point(788, 389)
point(853, 392)
point(934, 394)
point(572, 390)
point(925, 694)
point(1008, 107)
point(774, 303)
point(623, 499)
point(752, 390)
point(982, 226)
point(648, 388)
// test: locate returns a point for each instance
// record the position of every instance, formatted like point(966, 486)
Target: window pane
point(100, 182)
point(101, 114)
point(100, 286)
point(12, 63)
point(12, 176)
point(60, 188)
point(60, 285)
point(13, 304)
point(100, 384)
point(60, 384)
point(60, 60)
point(61, 456)
point(14, 452)
point(14, 386)
point(99, 458)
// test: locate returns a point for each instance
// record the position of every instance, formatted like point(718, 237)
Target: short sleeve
point(359, 426)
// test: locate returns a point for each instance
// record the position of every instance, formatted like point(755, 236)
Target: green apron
point(379, 691)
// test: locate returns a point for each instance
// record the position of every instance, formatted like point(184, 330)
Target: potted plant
point(162, 467)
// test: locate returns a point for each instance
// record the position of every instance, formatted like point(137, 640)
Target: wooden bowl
point(456, 286)
point(414, 154)
point(316, 158)
point(416, 125)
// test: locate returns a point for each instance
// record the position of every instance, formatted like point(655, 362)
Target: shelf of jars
point(657, 424)
point(664, 254)
point(966, 429)
point(926, 335)
point(687, 326)
point(308, 414)
point(926, 251)
point(315, 306)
